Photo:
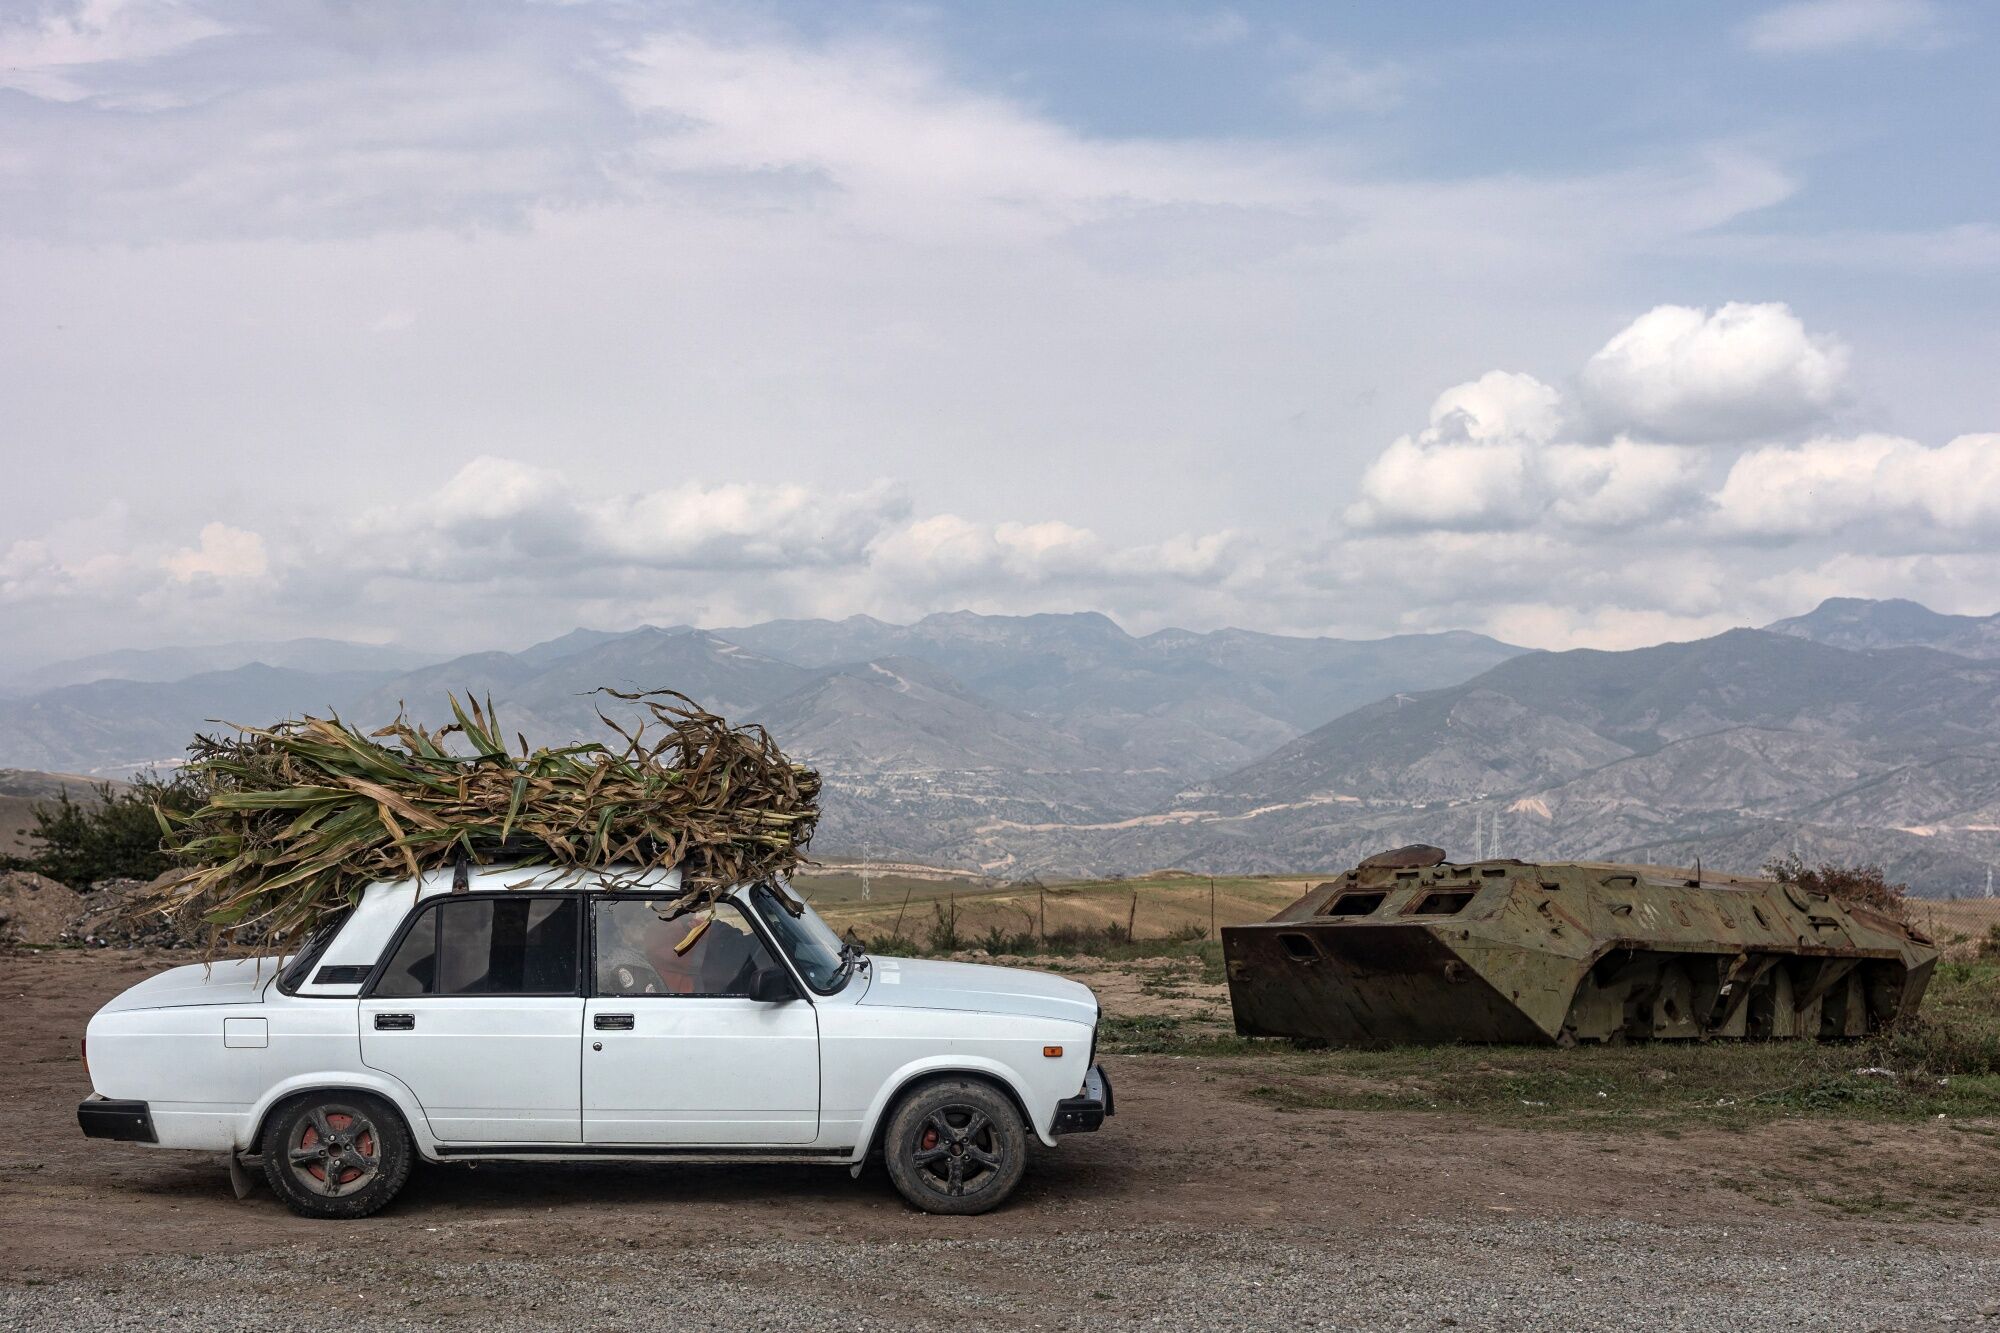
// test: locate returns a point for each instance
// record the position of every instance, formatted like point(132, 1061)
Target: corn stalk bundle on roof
point(299, 817)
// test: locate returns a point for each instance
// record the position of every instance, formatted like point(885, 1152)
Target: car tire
point(955, 1146)
point(336, 1154)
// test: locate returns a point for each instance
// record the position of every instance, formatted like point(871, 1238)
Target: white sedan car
point(523, 1014)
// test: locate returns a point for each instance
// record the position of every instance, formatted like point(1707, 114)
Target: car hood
point(921, 983)
point(225, 981)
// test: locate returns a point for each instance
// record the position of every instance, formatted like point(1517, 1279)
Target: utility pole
point(1211, 900)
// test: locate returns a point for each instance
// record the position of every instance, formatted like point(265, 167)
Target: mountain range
point(1062, 744)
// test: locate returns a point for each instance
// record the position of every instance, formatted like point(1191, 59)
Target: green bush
point(116, 837)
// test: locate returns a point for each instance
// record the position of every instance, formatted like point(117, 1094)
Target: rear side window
point(488, 946)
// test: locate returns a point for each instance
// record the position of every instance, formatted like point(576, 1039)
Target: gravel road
point(1534, 1274)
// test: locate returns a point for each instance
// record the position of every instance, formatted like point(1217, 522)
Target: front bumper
point(1087, 1110)
point(102, 1118)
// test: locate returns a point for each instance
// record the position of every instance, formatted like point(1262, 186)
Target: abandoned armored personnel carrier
point(1411, 948)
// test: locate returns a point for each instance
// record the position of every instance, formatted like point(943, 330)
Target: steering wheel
point(638, 979)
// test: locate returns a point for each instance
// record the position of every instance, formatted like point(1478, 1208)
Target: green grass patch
point(1944, 1062)
point(1167, 1034)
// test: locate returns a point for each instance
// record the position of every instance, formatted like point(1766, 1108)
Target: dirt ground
point(1196, 1205)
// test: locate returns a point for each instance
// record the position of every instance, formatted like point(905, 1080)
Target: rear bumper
point(1085, 1112)
point(105, 1119)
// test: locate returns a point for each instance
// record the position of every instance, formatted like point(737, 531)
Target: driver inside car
point(625, 963)
point(636, 955)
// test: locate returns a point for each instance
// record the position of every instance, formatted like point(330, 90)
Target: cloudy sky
point(467, 323)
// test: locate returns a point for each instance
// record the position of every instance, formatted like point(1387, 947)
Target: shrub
point(116, 837)
point(943, 934)
point(999, 940)
point(1865, 885)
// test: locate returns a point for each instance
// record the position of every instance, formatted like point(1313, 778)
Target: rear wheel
point(336, 1155)
point(956, 1146)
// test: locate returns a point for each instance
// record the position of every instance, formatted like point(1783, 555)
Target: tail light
point(83, 1053)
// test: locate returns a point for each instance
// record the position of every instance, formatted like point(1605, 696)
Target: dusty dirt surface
point(1197, 1206)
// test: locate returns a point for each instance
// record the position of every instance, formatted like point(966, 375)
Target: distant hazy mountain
point(937, 739)
point(120, 726)
point(1191, 703)
point(170, 664)
point(1855, 622)
point(548, 695)
point(1734, 749)
point(1060, 743)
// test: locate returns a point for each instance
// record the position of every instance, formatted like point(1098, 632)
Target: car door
point(675, 1052)
point(479, 1010)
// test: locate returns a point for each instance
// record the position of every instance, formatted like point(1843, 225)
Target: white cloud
point(1620, 484)
point(1149, 373)
point(880, 136)
point(1813, 26)
point(223, 553)
point(500, 518)
point(1887, 492)
point(1678, 373)
point(1497, 405)
point(1430, 485)
point(51, 55)
point(1491, 458)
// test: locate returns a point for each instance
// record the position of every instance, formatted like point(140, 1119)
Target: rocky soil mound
point(101, 920)
point(35, 909)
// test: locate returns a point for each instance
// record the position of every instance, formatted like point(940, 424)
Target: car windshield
point(807, 940)
point(310, 950)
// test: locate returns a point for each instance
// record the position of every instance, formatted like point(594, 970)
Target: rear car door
point(675, 1052)
point(479, 1010)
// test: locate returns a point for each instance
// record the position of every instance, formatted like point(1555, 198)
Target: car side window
point(636, 950)
point(488, 946)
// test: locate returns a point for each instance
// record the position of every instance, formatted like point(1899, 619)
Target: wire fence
point(1961, 926)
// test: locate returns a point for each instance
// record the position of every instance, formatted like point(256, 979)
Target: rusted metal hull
point(1394, 953)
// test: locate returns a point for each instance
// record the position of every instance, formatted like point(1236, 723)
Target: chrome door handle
point(395, 1022)
point(612, 1022)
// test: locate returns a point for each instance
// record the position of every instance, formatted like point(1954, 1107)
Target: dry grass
point(300, 817)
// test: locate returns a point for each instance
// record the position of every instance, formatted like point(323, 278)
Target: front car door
point(479, 1010)
point(675, 1052)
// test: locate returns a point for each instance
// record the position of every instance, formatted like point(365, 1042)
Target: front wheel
point(336, 1155)
point(956, 1146)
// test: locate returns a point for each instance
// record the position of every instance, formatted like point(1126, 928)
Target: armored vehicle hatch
point(1411, 948)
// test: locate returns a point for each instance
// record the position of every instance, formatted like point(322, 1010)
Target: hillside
point(1856, 622)
point(1144, 716)
point(113, 727)
point(1735, 749)
point(1062, 744)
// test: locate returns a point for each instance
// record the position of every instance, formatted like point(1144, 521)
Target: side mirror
point(772, 985)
